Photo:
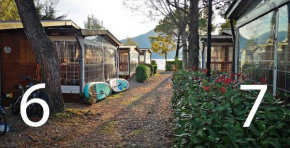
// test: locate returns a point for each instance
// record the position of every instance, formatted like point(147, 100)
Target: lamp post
point(209, 38)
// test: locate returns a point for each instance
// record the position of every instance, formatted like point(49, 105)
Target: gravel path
point(139, 117)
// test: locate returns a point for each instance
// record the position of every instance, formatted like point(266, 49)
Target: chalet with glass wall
point(145, 56)
point(221, 51)
point(84, 56)
point(262, 41)
point(128, 60)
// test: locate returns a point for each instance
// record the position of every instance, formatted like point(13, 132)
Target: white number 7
point(253, 111)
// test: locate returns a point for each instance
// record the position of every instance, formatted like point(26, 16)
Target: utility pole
point(209, 38)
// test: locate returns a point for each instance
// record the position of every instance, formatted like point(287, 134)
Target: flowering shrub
point(212, 113)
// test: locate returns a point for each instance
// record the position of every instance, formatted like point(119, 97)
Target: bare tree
point(44, 52)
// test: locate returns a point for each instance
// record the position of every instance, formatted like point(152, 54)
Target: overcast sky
point(120, 21)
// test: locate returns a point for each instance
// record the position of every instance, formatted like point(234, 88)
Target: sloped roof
point(145, 49)
point(5, 25)
point(62, 26)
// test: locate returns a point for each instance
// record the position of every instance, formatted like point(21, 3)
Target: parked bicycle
point(33, 109)
point(3, 123)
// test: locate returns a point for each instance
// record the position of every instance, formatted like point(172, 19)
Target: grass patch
point(109, 128)
point(139, 132)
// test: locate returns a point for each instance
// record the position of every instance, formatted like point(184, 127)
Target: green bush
point(212, 114)
point(170, 65)
point(155, 67)
point(142, 73)
point(151, 69)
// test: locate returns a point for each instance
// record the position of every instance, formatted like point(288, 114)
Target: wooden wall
point(20, 62)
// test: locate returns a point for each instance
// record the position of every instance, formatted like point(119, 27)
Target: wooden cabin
point(145, 56)
point(221, 51)
point(128, 60)
point(93, 58)
point(262, 41)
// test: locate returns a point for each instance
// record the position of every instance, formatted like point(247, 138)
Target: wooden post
point(209, 37)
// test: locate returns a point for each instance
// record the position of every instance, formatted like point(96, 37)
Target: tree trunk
point(177, 47)
point(193, 42)
point(44, 52)
point(165, 56)
point(184, 51)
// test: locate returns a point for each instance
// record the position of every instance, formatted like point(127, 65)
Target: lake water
point(161, 63)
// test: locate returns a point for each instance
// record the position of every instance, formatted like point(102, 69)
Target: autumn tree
point(130, 42)
point(162, 45)
point(44, 51)
point(159, 9)
point(93, 23)
point(8, 10)
point(165, 27)
point(184, 14)
point(46, 10)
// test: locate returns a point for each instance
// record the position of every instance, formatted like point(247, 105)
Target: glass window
point(134, 60)
point(283, 53)
point(256, 48)
point(124, 61)
point(68, 56)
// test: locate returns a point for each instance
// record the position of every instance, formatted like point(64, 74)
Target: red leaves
point(206, 89)
point(205, 71)
point(263, 80)
point(232, 75)
point(223, 90)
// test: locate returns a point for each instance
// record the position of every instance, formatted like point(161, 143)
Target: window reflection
point(256, 54)
point(283, 53)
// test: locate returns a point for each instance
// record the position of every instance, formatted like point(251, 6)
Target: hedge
point(142, 73)
point(170, 65)
point(155, 67)
point(212, 113)
point(151, 69)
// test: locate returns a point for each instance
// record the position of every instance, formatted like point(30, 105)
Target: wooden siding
point(12, 68)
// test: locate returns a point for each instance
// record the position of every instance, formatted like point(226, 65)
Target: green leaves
point(215, 119)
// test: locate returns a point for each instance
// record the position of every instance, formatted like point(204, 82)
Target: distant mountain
point(144, 42)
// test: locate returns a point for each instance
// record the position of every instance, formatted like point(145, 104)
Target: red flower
point(222, 78)
point(206, 89)
point(205, 71)
point(235, 81)
point(223, 90)
point(239, 75)
point(255, 83)
point(194, 68)
point(217, 81)
point(263, 80)
point(227, 81)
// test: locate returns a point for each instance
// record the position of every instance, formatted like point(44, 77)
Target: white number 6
point(25, 104)
point(263, 89)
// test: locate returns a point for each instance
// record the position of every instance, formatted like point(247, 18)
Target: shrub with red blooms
point(211, 113)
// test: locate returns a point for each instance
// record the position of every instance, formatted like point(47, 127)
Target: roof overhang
point(6, 25)
point(238, 7)
point(218, 39)
point(63, 28)
point(129, 48)
point(106, 33)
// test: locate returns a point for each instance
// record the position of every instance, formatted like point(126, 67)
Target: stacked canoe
point(101, 90)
